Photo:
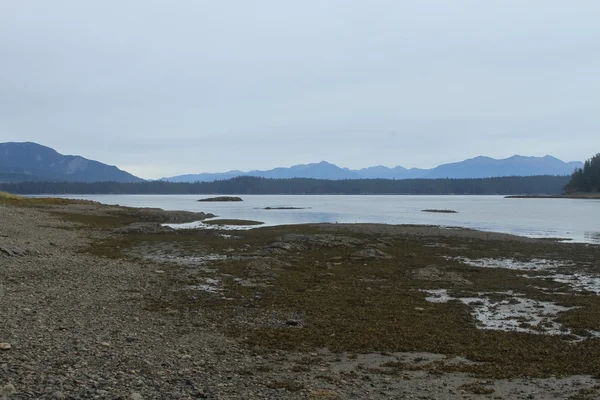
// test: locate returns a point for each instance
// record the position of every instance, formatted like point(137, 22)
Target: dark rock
point(265, 266)
point(300, 241)
point(144, 227)
point(435, 274)
point(12, 252)
point(285, 208)
point(283, 246)
point(370, 254)
point(6, 251)
point(222, 198)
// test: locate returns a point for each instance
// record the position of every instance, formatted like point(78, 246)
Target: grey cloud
point(192, 86)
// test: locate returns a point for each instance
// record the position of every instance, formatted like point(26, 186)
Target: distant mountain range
point(478, 167)
point(33, 162)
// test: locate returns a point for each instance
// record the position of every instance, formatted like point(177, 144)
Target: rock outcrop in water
point(221, 198)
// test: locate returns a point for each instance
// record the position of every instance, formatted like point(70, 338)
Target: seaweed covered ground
point(340, 311)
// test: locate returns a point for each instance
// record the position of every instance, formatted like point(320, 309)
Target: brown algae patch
point(303, 287)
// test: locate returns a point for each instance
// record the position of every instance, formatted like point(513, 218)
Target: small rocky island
point(433, 210)
point(285, 208)
point(221, 198)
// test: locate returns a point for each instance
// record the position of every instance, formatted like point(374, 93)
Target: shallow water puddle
point(191, 260)
point(577, 281)
point(513, 314)
point(210, 285)
point(202, 225)
point(536, 264)
point(226, 236)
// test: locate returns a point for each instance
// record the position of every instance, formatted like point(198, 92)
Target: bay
point(577, 220)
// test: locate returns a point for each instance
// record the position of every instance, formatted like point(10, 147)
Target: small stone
point(159, 271)
point(5, 346)
point(292, 322)
point(105, 344)
point(8, 389)
point(6, 251)
point(324, 394)
point(419, 309)
point(135, 396)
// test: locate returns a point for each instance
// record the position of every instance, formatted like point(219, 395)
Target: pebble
point(8, 389)
point(90, 314)
point(5, 346)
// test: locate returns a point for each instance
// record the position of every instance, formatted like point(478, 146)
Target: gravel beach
point(74, 325)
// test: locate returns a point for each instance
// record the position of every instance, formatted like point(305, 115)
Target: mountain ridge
point(22, 161)
point(476, 167)
point(28, 161)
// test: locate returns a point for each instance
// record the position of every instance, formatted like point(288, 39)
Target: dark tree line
point(586, 179)
point(513, 185)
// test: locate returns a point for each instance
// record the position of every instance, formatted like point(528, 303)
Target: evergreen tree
point(586, 179)
point(252, 185)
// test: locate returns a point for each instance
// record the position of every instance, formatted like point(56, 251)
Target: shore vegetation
point(586, 179)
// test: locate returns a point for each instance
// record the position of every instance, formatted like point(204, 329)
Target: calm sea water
point(575, 219)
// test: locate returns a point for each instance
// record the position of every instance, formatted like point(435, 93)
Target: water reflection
point(571, 219)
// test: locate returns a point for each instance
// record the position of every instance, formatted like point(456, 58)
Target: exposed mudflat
point(105, 302)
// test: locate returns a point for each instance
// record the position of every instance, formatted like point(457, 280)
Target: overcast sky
point(161, 88)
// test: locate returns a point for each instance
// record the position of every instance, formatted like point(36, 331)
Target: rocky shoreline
point(104, 302)
point(587, 196)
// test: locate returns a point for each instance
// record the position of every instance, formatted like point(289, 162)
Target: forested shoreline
point(586, 179)
point(514, 185)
